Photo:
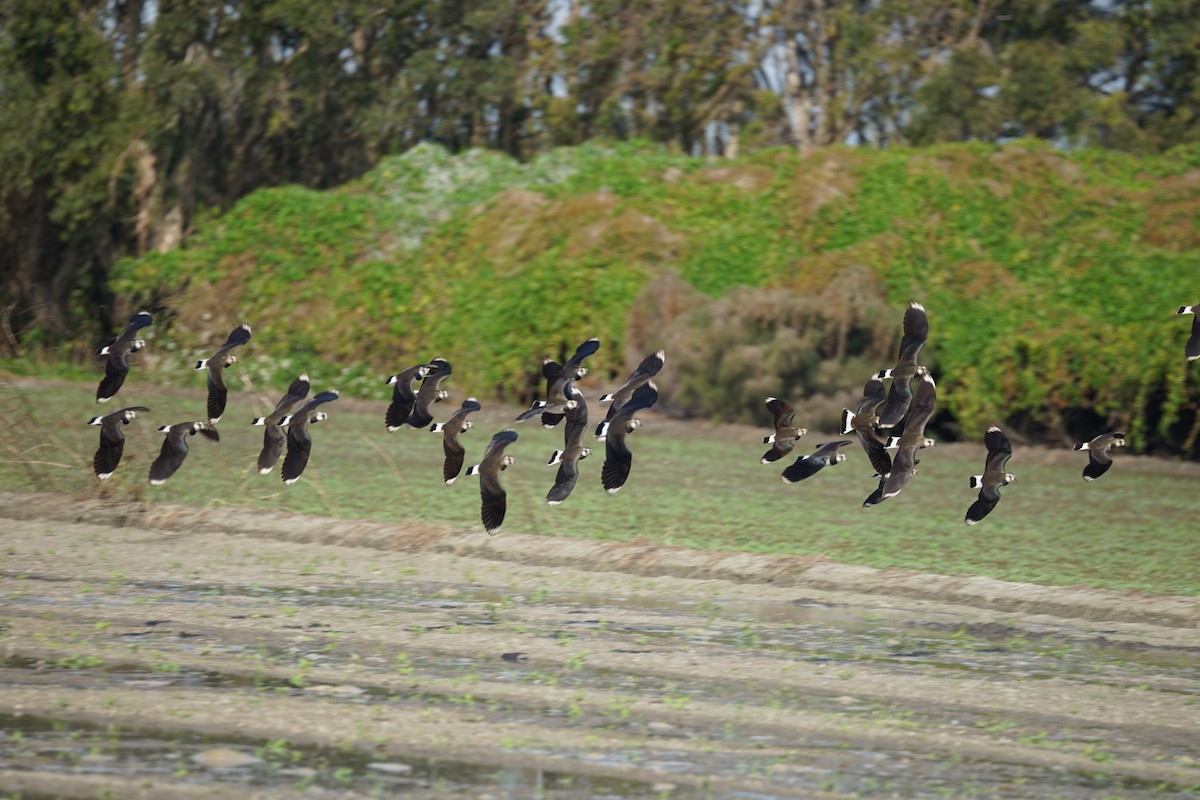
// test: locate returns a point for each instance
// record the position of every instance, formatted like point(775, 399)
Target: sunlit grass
point(693, 484)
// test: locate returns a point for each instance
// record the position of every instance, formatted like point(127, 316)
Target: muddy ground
point(152, 651)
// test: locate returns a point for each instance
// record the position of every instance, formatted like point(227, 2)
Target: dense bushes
point(1051, 280)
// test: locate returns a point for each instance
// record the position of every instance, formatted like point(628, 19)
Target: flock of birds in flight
point(879, 414)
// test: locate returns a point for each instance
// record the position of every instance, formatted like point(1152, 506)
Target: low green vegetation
point(693, 484)
point(1051, 279)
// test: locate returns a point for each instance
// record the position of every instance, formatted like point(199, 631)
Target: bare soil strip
point(143, 645)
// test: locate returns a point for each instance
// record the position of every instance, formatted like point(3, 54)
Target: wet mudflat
point(142, 662)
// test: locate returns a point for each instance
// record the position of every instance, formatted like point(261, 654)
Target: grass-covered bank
point(693, 484)
point(1051, 280)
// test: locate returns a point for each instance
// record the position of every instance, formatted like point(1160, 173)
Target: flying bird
point(429, 393)
point(786, 433)
point(825, 455)
point(916, 333)
point(863, 421)
point(572, 453)
point(558, 385)
point(116, 367)
point(175, 448)
point(646, 370)
point(273, 435)
point(216, 365)
point(112, 439)
point(993, 477)
point(450, 430)
point(492, 495)
point(404, 399)
point(904, 465)
point(1192, 348)
point(618, 460)
point(1099, 459)
point(299, 442)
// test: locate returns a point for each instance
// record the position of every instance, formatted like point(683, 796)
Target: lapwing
point(112, 439)
point(175, 448)
point(493, 498)
point(825, 455)
point(403, 396)
point(299, 442)
point(558, 382)
point(450, 430)
point(1099, 459)
point(920, 410)
point(786, 434)
point(429, 393)
point(618, 460)
point(273, 435)
point(216, 365)
point(572, 453)
point(916, 333)
point(862, 422)
point(993, 477)
point(116, 367)
point(650, 366)
point(1192, 348)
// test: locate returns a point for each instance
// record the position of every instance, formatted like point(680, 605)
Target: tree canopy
point(122, 120)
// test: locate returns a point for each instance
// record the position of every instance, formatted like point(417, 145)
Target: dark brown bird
point(558, 384)
point(862, 422)
point(824, 456)
point(112, 439)
point(175, 448)
point(450, 430)
point(1099, 459)
point(650, 366)
point(618, 460)
point(572, 453)
point(904, 465)
point(916, 333)
point(429, 393)
point(216, 365)
point(299, 442)
point(273, 435)
point(403, 396)
point(786, 434)
point(116, 367)
point(493, 498)
point(1192, 348)
point(993, 477)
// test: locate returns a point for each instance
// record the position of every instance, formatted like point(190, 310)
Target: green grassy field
point(694, 484)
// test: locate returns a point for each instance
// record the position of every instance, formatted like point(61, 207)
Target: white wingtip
point(290, 481)
point(104, 476)
point(614, 490)
point(213, 420)
point(154, 482)
point(451, 481)
point(993, 428)
point(265, 470)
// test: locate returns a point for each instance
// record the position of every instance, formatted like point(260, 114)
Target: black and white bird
point(618, 460)
point(825, 455)
point(216, 364)
point(429, 393)
point(1099, 459)
point(862, 421)
point(916, 333)
point(116, 367)
point(112, 439)
point(450, 430)
point(572, 453)
point(559, 380)
point(299, 442)
point(494, 500)
point(650, 366)
point(904, 465)
point(993, 477)
point(273, 435)
point(786, 434)
point(1192, 348)
point(404, 398)
point(175, 448)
